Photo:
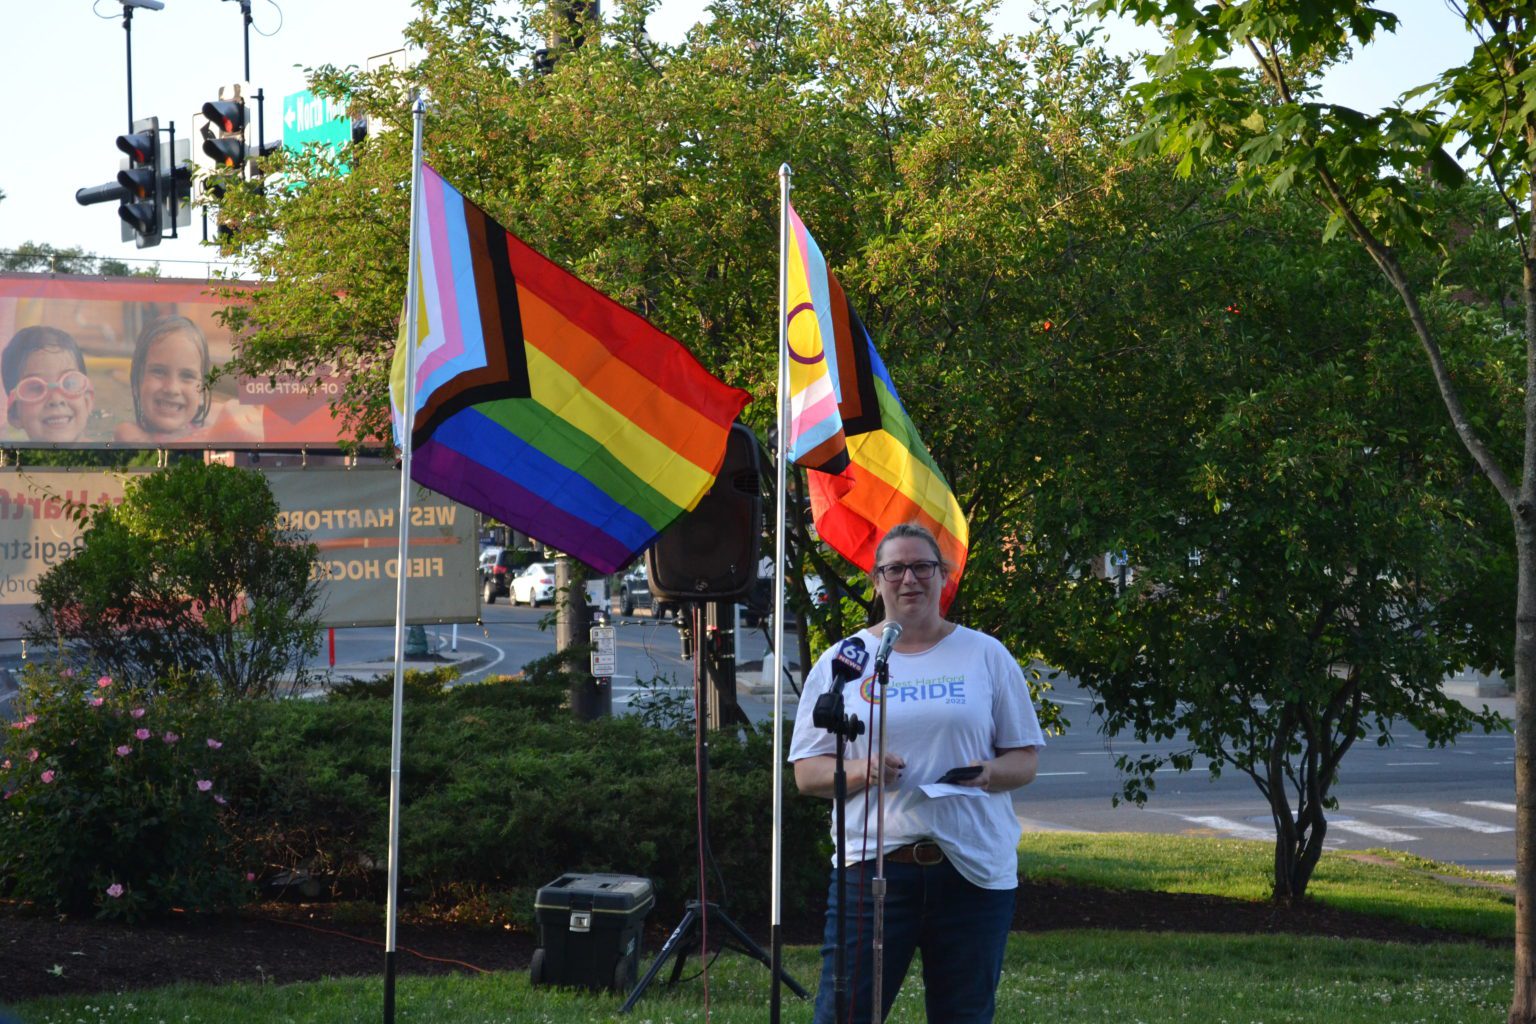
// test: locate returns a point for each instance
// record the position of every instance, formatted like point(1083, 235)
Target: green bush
point(502, 792)
point(189, 580)
point(114, 801)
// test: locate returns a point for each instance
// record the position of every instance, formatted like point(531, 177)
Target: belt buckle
point(923, 851)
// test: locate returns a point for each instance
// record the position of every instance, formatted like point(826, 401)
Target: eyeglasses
point(35, 389)
point(894, 572)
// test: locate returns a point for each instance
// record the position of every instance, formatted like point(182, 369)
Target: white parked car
point(535, 584)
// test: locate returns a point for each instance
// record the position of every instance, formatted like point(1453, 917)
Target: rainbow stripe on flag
point(890, 477)
point(544, 403)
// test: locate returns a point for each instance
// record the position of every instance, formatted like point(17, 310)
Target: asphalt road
point(1453, 803)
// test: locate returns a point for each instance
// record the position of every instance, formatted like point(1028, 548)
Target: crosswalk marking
point(1377, 832)
point(1492, 805)
point(1236, 828)
point(1441, 818)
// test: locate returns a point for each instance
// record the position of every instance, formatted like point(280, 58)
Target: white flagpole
point(776, 860)
point(392, 909)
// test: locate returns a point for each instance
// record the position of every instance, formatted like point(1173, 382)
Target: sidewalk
point(342, 671)
point(1478, 695)
point(755, 678)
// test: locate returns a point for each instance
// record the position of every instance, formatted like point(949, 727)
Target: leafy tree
point(1308, 553)
point(1374, 173)
point(188, 581)
point(944, 183)
point(45, 258)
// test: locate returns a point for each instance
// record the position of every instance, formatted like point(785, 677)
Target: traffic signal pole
point(128, 39)
point(128, 6)
point(245, 18)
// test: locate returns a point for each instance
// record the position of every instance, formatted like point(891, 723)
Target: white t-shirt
point(961, 700)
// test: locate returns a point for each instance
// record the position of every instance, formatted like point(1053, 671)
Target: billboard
point(124, 362)
point(349, 514)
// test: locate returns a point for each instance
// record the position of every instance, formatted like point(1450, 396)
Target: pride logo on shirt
point(945, 689)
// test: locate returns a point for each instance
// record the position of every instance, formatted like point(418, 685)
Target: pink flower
point(214, 744)
point(104, 682)
point(48, 776)
point(169, 738)
point(124, 750)
point(68, 673)
point(141, 734)
point(25, 723)
point(97, 702)
point(219, 800)
point(250, 876)
point(115, 890)
point(137, 712)
point(32, 754)
point(204, 785)
point(5, 765)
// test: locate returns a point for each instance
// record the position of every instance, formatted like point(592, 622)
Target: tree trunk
point(1522, 1009)
point(573, 627)
point(717, 651)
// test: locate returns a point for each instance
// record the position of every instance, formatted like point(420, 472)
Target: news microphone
point(851, 660)
point(848, 663)
point(888, 637)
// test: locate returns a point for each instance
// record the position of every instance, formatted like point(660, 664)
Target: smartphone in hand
point(969, 771)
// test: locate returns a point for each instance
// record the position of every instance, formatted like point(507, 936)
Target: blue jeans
point(961, 929)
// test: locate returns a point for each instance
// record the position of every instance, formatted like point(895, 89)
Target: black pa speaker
point(710, 554)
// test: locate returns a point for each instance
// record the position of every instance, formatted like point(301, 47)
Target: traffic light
point(226, 139)
point(141, 179)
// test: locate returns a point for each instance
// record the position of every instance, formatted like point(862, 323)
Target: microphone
point(847, 664)
point(888, 637)
point(850, 662)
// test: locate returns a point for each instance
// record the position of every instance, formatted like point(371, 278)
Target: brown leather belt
point(926, 853)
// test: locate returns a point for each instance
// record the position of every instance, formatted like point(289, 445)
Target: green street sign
point(310, 119)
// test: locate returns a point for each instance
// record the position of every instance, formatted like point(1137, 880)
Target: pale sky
point(63, 76)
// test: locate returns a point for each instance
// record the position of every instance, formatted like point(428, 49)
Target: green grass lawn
point(1062, 976)
point(1056, 976)
point(1407, 888)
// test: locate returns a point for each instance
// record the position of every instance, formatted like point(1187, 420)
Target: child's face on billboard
point(171, 390)
point(53, 400)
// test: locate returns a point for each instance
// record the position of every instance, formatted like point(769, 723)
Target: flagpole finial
point(784, 171)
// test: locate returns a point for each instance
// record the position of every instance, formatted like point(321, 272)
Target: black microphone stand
point(829, 715)
point(877, 887)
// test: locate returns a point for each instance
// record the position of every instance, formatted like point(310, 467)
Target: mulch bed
point(44, 956)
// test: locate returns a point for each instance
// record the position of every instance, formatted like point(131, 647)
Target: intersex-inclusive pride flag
point(544, 403)
point(812, 299)
point(890, 477)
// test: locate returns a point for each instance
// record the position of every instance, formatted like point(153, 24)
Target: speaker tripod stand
point(686, 939)
point(699, 915)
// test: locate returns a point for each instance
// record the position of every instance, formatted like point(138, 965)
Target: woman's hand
point(1009, 770)
point(814, 775)
point(893, 767)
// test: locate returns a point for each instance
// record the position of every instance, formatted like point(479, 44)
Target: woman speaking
point(956, 698)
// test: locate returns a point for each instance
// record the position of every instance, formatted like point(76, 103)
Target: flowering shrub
point(104, 809)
